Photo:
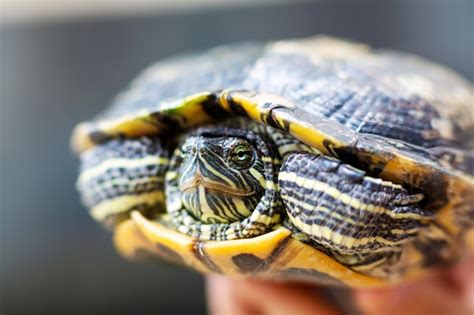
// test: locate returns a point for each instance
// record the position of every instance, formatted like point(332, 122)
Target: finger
point(223, 297)
point(462, 277)
point(432, 296)
point(245, 297)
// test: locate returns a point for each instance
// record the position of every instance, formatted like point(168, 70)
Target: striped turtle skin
point(314, 159)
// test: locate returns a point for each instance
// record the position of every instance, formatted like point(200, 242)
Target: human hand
point(447, 292)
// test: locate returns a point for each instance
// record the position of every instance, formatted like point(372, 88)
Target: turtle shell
point(395, 115)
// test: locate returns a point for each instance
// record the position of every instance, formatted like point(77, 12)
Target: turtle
point(314, 159)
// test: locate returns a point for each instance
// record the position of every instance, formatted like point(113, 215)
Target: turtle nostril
point(194, 150)
point(201, 150)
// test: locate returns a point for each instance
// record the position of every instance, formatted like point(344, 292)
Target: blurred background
point(61, 62)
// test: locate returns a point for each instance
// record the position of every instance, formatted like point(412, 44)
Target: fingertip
point(222, 298)
point(428, 296)
point(463, 278)
point(253, 296)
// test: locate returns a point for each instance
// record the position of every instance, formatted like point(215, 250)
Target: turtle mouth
point(213, 187)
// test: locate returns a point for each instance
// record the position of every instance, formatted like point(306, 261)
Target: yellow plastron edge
point(276, 253)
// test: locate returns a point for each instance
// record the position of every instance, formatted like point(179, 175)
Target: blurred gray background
point(54, 259)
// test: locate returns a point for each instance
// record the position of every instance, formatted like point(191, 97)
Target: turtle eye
point(241, 156)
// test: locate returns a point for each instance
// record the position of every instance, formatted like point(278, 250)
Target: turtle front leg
point(339, 207)
point(123, 175)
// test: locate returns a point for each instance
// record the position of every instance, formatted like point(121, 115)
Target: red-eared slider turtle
point(314, 159)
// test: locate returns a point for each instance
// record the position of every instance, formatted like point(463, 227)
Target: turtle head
point(221, 178)
point(221, 182)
